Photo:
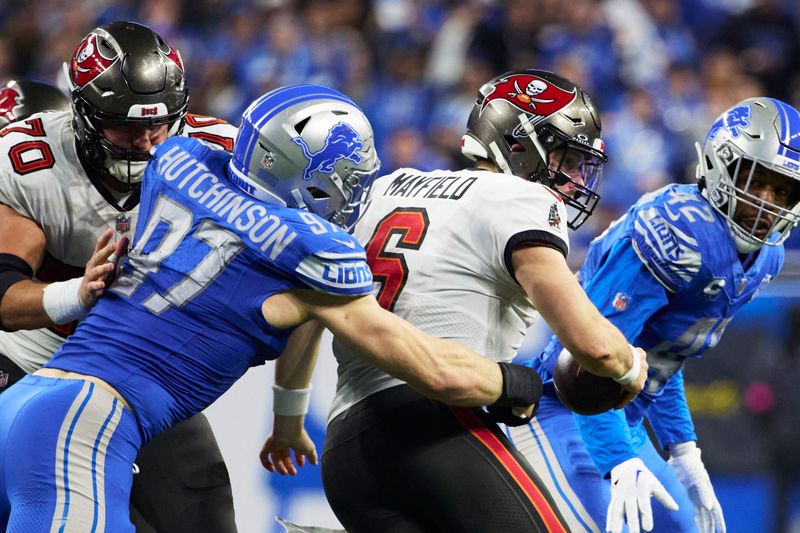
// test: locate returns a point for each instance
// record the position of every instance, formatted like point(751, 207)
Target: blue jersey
point(183, 321)
point(668, 275)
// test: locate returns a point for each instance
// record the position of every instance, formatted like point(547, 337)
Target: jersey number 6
point(411, 225)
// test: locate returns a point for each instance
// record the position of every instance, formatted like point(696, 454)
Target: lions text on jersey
point(668, 275)
point(184, 321)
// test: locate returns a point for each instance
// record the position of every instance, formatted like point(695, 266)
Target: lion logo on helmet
point(10, 103)
point(342, 142)
point(734, 120)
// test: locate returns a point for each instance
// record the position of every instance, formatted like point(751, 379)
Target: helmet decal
point(10, 103)
point(175, 57)
point(733, 120)
point(530, 94)
point(789, 132)
point(88, 62)
point(342, 142)
point(306, 146)
point(755, 136)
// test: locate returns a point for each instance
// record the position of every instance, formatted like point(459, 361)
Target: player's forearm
point(436, 368)
point(295, 366)
point(22, 308)
point(607, 354)
point(594, 342)
point(607, 439)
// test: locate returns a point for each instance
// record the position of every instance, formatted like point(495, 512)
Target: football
point(581, 391)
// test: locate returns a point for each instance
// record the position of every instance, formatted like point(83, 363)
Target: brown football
point(581, 391)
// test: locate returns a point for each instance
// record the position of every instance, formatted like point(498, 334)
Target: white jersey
point(41, 178)
point(439, 245)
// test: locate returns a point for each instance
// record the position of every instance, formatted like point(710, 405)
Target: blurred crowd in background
point(659, 71)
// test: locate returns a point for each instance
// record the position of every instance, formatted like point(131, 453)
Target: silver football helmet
point(539, 126)
point(757, 133)
point(124, 74)
point(309, 147)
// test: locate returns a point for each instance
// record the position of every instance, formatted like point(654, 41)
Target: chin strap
point(95, 176)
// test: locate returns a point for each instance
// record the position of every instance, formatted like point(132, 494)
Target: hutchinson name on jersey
point(41, 178)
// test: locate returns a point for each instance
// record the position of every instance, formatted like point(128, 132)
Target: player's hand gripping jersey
point(172, 338)
point(41, 178)
point(455, 281)
point(672, 292)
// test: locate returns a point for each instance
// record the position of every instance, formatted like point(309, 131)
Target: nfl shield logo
point(621, 301)
point(123, 224)
point(268, 160)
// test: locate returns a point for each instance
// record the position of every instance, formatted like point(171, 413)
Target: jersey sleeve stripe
point(532, 238)
point(660, 276)
point(356, 256)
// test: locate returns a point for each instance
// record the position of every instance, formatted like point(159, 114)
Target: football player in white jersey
point(69, 177)
point(471, 256)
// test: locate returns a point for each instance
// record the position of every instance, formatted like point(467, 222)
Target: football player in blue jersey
point(671, 274)
point(69, 176)
point(230, 255)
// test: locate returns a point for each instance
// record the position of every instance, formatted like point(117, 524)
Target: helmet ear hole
point(317, 193)
point(513, 145)
point(300, 126)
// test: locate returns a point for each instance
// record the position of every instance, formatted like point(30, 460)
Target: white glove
point(632, 485)
point(685, 460)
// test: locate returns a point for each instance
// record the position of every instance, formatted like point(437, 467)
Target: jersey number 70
point(390, 268)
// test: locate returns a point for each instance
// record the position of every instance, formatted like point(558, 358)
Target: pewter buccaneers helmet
point(766, 133)
point(19, 99)
point(522, 116)
point(124, 74)
point(309, 147)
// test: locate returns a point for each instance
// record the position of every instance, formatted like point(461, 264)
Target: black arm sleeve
point(12, 270)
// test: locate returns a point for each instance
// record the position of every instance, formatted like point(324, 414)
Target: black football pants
point(398, 462)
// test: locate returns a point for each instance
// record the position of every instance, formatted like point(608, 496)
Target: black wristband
point(522, 386)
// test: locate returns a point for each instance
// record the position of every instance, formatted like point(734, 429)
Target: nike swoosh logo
point(349, 244)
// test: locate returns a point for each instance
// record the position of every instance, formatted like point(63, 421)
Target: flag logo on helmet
point(88, 62)
point(530, 94)
point(735, 119)
point(10, 101)
point(342, 142)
